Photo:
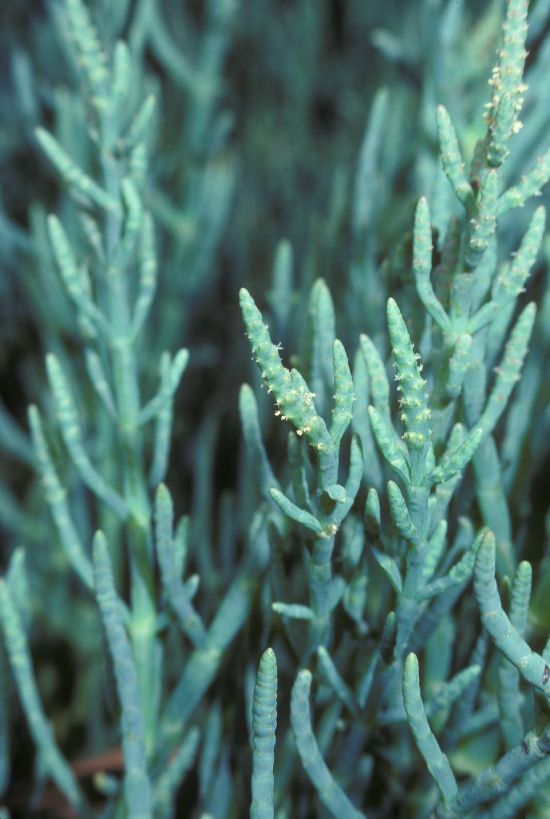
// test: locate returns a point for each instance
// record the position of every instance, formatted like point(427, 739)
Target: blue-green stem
point(461, 300)
point(143, 619)
point(408, 607)
point(493, 503)
point(320, 576)
point(489, 489)
point(320, 565)
point(328, 467)
point(495, 780)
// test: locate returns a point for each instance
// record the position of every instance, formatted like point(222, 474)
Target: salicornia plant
point(352, 620)
point(446, 414)
point(110, 277)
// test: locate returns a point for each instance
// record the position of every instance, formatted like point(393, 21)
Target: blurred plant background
point(290, 141)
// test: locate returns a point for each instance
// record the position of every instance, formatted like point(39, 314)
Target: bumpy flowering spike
point(507, 83)
point(264, 723)
point(414, 403)
point(483, 225)
point(294, 400)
